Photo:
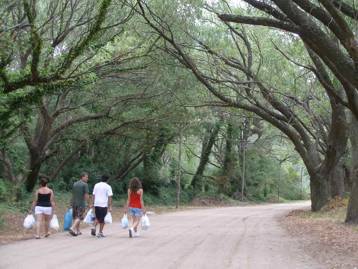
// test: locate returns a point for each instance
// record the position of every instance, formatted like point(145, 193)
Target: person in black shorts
point(102, 202)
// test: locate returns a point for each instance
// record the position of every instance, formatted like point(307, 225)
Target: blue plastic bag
point(67, 222)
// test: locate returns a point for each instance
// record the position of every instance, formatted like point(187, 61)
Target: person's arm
point(87, 197)
point(110, 203)
point(110, 194)
point(88, 200)
point(141, 201)
point(93, 196)
point(127, 205)
point(53, 204)
point(34, 202)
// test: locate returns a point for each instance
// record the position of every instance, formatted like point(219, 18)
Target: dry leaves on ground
point(331, 242)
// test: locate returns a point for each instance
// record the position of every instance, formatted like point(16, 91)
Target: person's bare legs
point(47, 219)
point(101, 225)
point(39, 223)
point(135, 223)
point(75, 226)
point(130, 225)
point(78, 227)
point(93, 229)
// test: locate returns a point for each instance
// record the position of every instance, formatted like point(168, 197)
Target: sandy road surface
point(233, 237)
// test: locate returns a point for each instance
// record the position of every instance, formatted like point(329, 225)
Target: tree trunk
point(31, 178)
point(152, 155)
point(336, 181)
point(229, 162)
point(319, 192)
point(352, 211)
point(204, 157)
point(129, 166)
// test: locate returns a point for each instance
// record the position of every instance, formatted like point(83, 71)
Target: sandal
point(37, 237)
point(47, 235)
point(72, 232)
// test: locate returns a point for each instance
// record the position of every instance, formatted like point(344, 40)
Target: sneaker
point(136, 234)
point(93, 231)
point(100, 235)
point(130, 231)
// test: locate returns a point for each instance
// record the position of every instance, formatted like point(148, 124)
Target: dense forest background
point(243, 100)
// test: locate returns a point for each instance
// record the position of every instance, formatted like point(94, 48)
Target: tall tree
point(47, 45)
point(327, 28)
point(260, 97)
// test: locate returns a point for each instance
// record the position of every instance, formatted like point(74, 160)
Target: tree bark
point(152, 158)
point(319, 192)
point(31, 178)
point(337, 181)
point(229, 161)
point(352, 211)
point(204, 158)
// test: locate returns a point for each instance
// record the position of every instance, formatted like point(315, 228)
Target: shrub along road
point(232, 237)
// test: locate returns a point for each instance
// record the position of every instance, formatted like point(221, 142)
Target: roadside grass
point(334, 211)
point(12, 215)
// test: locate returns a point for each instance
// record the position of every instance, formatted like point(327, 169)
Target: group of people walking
point(44, 205)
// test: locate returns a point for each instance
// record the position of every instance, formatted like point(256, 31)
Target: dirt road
point(233, 237)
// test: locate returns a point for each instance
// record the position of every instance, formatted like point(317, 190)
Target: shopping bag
point(108, 218)
point(145, 223)
point(67, 220)
point(29, 221)
point(90, 217)
point(54, 223)
point(124, 221)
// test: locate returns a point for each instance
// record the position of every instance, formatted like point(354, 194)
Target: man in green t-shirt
point(80, 197)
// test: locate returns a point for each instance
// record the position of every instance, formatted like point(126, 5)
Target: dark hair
point(43, 181)
point(104, 178)
point(83, 174)
point(135, 184)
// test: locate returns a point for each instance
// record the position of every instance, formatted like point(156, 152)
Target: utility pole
point(178, 190)
point(243, 143)
point(243, 171)
point(278, 183)
point(301, 194)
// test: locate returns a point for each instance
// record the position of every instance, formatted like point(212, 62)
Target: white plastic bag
point(54, 223)
point(29, 221)
point(124, 221)
point(108, 218)
point(145, 222)
point(90, 217)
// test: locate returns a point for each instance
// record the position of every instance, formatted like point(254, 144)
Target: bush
point(4, 190)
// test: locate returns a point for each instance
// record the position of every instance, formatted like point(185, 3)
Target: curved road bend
point(232, 237)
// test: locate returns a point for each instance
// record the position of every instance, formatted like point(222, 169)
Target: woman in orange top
point(135, 205)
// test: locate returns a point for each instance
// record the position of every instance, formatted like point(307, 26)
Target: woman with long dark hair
point(44, 207)
point(135, 205)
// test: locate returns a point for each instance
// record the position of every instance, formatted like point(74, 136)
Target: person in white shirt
point(102, 202)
